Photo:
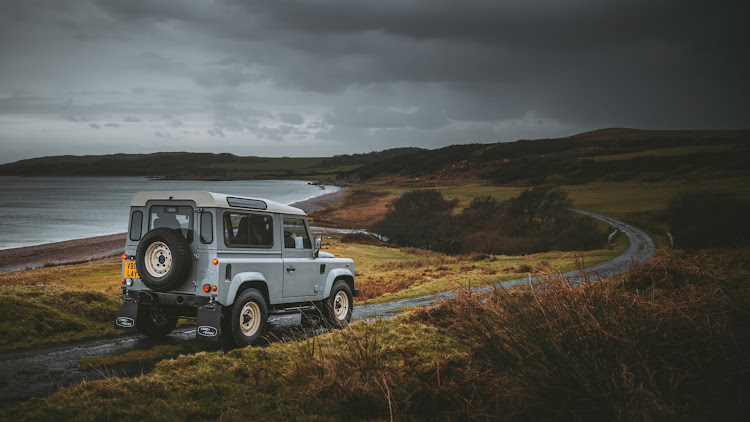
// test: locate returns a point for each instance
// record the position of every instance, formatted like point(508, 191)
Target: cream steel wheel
point(250, 318)
point(158, 259)
point(340, 305)
point(163, 259)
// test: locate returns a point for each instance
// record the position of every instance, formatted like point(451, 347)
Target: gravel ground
point(69, 251)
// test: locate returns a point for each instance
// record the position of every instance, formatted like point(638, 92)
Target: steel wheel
point(158, 259)
point(250, 319)
point(341, 305)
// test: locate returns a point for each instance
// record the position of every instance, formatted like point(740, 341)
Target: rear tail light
point(206, 288)
point(213, 288)
point(122, 281)
point(215, 261)
point(124, 256)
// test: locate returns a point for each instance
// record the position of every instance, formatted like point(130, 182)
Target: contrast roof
point(215, 200)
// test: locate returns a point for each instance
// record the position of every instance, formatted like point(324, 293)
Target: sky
point(328, 77)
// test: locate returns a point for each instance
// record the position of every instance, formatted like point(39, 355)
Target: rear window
point(248, 230)
point(136, 225)
point(173, 217)
point(207, 228)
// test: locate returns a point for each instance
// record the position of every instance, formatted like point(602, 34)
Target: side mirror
point(318, 243)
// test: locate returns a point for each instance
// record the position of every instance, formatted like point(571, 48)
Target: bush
point(539, 205)
point(538, 220)
point(701, 219)
point(422, 219)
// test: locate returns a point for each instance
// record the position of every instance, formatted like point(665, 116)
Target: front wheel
point(340, 304)
point(153, 323)
point(249, 317)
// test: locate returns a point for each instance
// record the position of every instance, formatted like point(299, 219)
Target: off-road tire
point(339, 305)
point(163, 259)
point(154, 324)
point(249, 318)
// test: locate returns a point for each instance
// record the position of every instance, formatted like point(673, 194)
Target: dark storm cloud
point(355, 74)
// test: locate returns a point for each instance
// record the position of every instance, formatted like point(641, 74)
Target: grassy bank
point(667, 342)
point(52, 305)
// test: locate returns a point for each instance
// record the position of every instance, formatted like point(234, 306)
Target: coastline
point(107, 246)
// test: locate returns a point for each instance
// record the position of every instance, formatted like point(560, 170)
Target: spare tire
point(163, 259)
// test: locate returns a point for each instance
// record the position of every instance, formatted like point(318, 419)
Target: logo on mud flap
point(207, 331)
point(125, 322)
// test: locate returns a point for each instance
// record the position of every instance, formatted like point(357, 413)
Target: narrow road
point(37, 373)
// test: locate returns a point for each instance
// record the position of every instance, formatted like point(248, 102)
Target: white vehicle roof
point(216, 200)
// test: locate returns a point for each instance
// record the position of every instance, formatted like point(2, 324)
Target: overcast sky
point(314, 78)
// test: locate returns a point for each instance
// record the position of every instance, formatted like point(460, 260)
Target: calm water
point(39, 210)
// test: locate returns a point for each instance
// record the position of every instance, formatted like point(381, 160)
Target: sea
point(37, 210)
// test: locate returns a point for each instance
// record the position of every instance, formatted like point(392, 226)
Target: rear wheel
point(151, 322)
point(249, 317)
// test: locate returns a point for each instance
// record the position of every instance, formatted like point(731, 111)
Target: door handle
point(290, 269)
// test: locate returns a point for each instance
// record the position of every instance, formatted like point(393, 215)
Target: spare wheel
point(163, 259)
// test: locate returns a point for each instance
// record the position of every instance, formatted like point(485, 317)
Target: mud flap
point(128, 315)
point(209, 322)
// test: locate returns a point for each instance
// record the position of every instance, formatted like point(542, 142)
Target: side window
point(136, 225)
point(295, 234)
point(207, 227)
point(173, 217)
point(248, 230)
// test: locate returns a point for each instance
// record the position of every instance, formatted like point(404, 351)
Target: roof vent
point(247, 203)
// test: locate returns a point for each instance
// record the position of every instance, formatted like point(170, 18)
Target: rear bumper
point(168, 299)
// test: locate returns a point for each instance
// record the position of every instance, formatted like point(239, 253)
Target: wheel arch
point(244, 281)
point(336, 275)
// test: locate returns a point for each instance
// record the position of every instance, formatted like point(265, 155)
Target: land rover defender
point(230, 262)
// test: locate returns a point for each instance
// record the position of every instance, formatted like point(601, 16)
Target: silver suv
point(230, 262)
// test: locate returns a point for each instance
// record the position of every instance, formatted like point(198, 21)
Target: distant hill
point(605, 154)
point(189, 165)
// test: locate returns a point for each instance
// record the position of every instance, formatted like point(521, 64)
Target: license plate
point(130, 270)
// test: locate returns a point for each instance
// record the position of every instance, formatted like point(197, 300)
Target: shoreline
point(107, 246)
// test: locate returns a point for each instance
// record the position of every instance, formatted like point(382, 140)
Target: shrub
point(540, 204)
point(537, 221)
point(422, 219)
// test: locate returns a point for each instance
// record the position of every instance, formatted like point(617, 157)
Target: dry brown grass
point(669, 341)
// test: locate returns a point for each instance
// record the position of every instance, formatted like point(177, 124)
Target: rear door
point(300, 275)
point(179, 215)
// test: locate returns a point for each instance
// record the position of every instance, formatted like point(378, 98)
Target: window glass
point(207, 227)
point(248, 230)
point(295, 234)
point(173, 217)
point(136, 225)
